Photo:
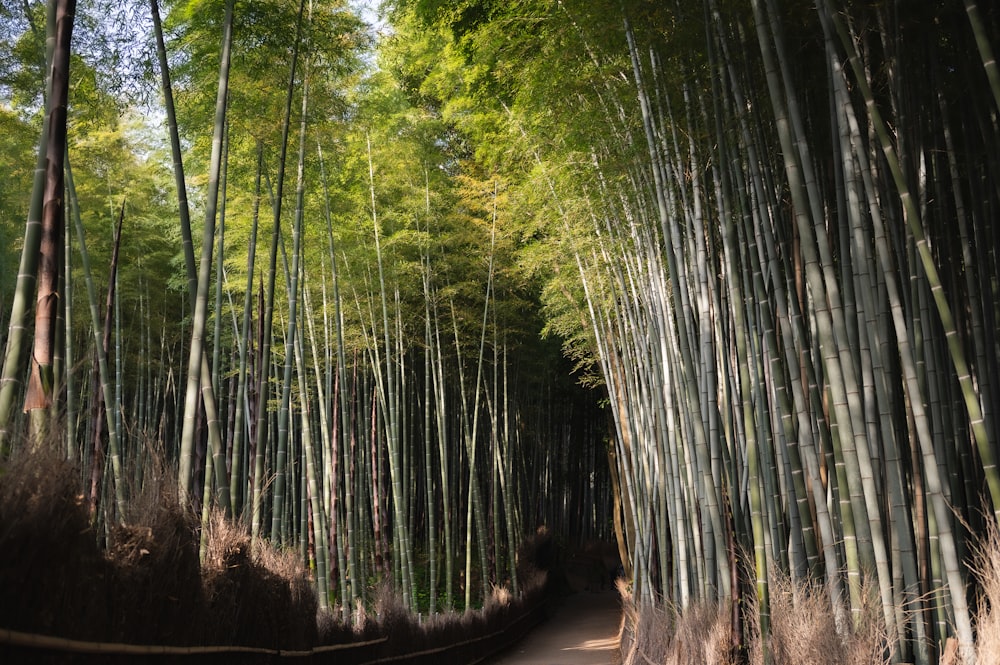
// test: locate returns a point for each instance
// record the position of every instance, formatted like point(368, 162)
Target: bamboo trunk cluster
point(365, 411)
point(788, 288)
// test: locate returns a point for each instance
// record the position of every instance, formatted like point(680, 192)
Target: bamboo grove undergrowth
point(762, 234)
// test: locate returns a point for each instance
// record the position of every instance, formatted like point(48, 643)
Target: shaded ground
point(583, 631)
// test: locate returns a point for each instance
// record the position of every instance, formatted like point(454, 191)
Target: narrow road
point(583, 631)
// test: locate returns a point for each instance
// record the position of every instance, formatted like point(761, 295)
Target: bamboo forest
point(402, 290)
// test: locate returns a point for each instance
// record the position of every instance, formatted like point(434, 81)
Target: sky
point(370, 12)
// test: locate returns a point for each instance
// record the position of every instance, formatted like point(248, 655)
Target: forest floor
point(582, 631)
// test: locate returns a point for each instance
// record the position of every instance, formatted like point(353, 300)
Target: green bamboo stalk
point(471, 431)
point(205, 377)
point(913, 219)
point(175, 150)
point(238, 482)
point(196, 358)
point(100, 344)
point(292, 282)
point(263, 385)
point(344, 432)
point(389, 402)
point(510, 509)
point(939, 504)
point(854, 511)
point(220, 264)
point(444, 452)
point(325, 506)
point(69, 374)
point(709, 487)
point(979, 31)
point(899, 511)
point(980, 341)
point(428, 421)
point(16, 352)
point(312, 469)
point(114, 310)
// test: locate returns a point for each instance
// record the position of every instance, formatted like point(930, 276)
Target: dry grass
point(805, 630)
point(536, 554)
point(51, 569)
point(500, 597)
point(803, 625)
point(257, 595)
point(156, 577)
point(699, 635)
point(394, 619)
point(147, 586)
point(703, 635)
point(389, 618)
point(986, 567)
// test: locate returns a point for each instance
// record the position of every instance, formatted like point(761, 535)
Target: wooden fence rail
point(22, 647)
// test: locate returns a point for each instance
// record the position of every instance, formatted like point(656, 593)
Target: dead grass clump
point(536, 553)
point(148, 587)
point(255, 595)
point(654, 633)
point(51, 569)
point(630, 619)
point(702, 634)
point(226, 569)
point(804, 627)
point(156, 577)
point(394, 619)
point(867, 642)
point(699, 635)
point(986, 566)
point(498, 600)
point(450, 630)
point(332, 629)
point(359, 616)
point(470, 623)
point(499, 607)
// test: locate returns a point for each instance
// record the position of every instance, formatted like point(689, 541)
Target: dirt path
point(583, 631)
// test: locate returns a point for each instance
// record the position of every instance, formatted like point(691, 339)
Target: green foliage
point(115, 165)
point(22, 54)
point(18, 147)
point(263, 35)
